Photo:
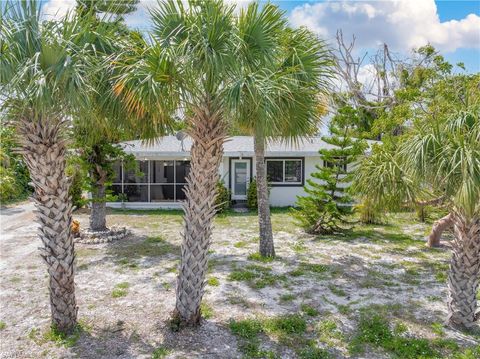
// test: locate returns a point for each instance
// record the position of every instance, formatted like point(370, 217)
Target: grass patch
point(256, 276)
point(329, 333)
point(3, 325)
point(247, 328)
point(120, 290)
point(240, 244)
point(309, 310)
point(287, 297)
point(213, 281)
point(339, 292)
point(259, 258)
point(206, 310)
point(154, 246)
point(160, 352)
point(286, 324)
point(59, 338)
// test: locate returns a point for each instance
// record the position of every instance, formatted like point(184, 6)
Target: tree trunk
point(433, 239)
point(267, 248)
point(208, 134)
point(44, 153)
point(98, 220)
point(464, 274)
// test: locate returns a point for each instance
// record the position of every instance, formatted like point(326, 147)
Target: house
point(165, 164)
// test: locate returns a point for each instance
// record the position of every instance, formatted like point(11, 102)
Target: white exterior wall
point(281, 196)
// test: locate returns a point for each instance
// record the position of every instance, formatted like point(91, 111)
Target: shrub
point(8, 186)
point(223, 197)
point(369, 212)
point(252, 195)
point(76, 186)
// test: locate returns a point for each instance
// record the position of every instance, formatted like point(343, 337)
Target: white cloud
point(402, 24)
point(56, 9)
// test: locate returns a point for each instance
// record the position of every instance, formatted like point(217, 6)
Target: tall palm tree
point(185, 72)
point(444, 160)
point(44, 79)
point(280, 75)
point(96, 130)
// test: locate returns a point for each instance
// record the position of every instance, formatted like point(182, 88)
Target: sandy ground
point(374, 267)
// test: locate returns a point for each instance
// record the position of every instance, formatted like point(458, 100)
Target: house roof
point(236, 146)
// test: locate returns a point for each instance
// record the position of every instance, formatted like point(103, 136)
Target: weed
point(287, 297)
point(160, 352)
point(213, 281)
point(206, 310)
point(120, 290)
point(286, 324)
point(337, 291)
point(437, 328)
point(3, 325)
point(259, 258)
point(247, 328)
point(309, 310)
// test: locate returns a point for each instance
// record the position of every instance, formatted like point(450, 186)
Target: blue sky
point(453, 27)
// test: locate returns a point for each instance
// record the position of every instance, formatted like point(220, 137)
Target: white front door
point(240, 172)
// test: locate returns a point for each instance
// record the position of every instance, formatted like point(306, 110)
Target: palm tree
point(280, 76)
point(96, 130)
point(43, 79)
point(441, 159)
point(185, 72)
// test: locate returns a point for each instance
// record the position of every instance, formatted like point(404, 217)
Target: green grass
point(213, 281)
point(339, 292)
point(240, 244)
point(154, 246)
point(247, 328)
point(160, 352)
point(309, 310)
point(120, 290)
point(256, 276)
point(259, 258)
point(59, 338)
point(3, 325)
point(287, 297)
point(286, 324)
point(206, 310)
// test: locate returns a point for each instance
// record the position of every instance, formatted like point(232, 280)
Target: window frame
point(284, 159)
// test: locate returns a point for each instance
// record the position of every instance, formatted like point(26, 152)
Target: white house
point(165, 165)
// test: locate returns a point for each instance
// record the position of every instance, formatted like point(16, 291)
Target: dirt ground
point(126, 289)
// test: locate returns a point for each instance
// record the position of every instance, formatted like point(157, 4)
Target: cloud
point(56, 9)
point(402, 24)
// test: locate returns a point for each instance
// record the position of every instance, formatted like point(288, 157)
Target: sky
point(452, 27)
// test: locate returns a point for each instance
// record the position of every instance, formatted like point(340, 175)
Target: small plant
point(309, 310)
point(160, 352)
point(3, 325)
point(213, 281)
point(222, 200)
point(252, 202)
point(259, 258)
point(287, 324)
point(247, 328)
point(120, 290)
point(207, 310)
point(287, 297)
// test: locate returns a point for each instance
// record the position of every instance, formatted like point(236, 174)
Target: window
point(337, 162)
point(285, 171)
point(152, 181)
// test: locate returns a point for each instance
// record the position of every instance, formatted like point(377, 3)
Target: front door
point(240, 172)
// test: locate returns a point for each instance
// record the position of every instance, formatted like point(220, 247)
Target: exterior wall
point(280, 196)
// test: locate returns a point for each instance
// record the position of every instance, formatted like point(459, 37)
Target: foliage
point(434, 160)
point(327, 204)
point(14, 175)
point(369, 212)
point(222, 201)
point(252, 195)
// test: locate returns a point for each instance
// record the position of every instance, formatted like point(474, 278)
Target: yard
point(375, 292)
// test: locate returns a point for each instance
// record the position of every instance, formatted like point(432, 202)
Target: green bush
point(223, 197)
point(252, 195)
point(77, 184)
point(8, 186)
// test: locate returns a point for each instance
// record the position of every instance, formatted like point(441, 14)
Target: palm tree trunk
point(464, 274)
point(208, 134)
point(98, 220)
point(438, 228)
point(267, 248)
point(44, 153)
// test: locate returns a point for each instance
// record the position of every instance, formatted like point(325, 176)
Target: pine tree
point(327, 204)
